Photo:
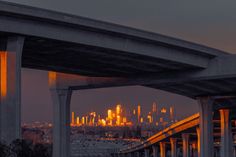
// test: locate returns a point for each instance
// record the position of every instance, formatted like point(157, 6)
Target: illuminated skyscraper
point(77, 121)
point(118, 120)
point(172, 114)
point(109, 117)
point(155, 113)
point(83, 120)
point(149, 117)
point(139, 113)
point(118, 109)
point(154, 107)
point(73, 118)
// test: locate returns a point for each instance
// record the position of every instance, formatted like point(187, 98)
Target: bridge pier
point(198, 141)
point(173, 144)
point(10, 108)
point(226, 133)
point(162, 149)
point(185, 138)
point(61, 122)
point(205, 134)
point(146, 152)
point(138, 154)
point(155, 150)
point(234, 152)
point(194, 149)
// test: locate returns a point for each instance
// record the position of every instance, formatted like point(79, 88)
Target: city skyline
point(120, 115)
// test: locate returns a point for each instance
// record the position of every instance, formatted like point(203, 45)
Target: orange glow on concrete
point(52, 78)
point(3, 55)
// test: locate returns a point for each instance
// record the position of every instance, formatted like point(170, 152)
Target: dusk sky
point(208, 22)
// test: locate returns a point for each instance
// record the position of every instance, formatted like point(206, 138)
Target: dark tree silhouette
point(22, 148)
point(41, 151)
point(5, 151)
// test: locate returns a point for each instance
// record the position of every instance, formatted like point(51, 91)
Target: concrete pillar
point(130, 155)
point(162, 149)
point(226, 134)
point(194, 149)
point(61, 122)
point(186, 150)
point(198, 141)
point(206, 127)
point(234, 149)
point(10, 82)
point(146, 152)
point(155, 150)
point(173, 145)
point(138, 154)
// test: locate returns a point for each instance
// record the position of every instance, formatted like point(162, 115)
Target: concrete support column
point(147, 152)
point(234, 152)
point(198, 141)
point(10, 82)
point(138, 154)
point(173, 144)
point(226, 134)
point(186, 151)
point(61, 122)
point(206, 127)
point(162, 149)
point(130, 155)
point(194, 149)
point(155, 150)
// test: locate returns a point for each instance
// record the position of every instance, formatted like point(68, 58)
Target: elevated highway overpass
point(183, 138)
point(85, 53)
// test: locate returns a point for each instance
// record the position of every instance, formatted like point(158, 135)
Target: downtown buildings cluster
point(121, 116)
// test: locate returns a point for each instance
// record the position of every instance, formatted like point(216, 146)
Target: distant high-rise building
point(154, 107)
point(73, 118)
point(118, 109)
point(109, 116)
point(154, 112)
point(77, 120)
point(139, 113)
point(172, 114)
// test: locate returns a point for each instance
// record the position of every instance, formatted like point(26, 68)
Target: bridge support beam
point(155, 150)
point(10, 108)
point(146, 152)
point(186, 150)
point(61, 122)
point(206, 146)
point(226, 133)
point(173, 145)
point(162, 149)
